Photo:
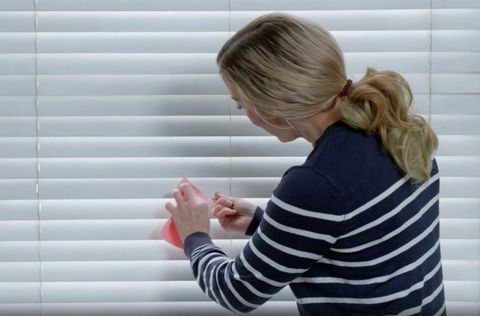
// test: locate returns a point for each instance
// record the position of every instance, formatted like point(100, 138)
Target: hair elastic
point(345, 88)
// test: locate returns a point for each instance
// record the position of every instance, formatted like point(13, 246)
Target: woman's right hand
point(234, 214)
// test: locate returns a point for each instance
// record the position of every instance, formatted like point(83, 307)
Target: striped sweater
point(346, 231)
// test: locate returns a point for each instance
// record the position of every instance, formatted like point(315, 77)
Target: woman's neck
point(313, 127)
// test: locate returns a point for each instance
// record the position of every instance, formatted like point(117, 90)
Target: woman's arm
point(288, 241)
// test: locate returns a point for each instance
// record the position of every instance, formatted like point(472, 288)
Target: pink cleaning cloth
point(169, 231)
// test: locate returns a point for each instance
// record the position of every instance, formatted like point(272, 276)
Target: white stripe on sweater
point(285, 249)
point(208, 287)
point(210, 284)
point(393, 212)
point(440, 311)
point(258, 274)
point(200, 264)
point(386, 257)
point(299, 211)
point(372, 300)
point(235, 293)
point(199, 250)
point(296, 231)
point(272, 263)
point(425, 301)
point(338, 218)
point(221, 293)
point(398, 230)
point(252, 289)
point(377, 199)
point(380, 279)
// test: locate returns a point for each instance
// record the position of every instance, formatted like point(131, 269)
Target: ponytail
point(379, 103)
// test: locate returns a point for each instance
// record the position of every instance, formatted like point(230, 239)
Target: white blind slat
point(105, 209)
point(133, 5)
point(307, 5)
point(349, 19)
point(159, 21)
point(164, 270)
point(183, 63)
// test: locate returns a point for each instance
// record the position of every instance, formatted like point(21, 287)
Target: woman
point(354, 230)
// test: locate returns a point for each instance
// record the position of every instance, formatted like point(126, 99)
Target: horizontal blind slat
point(158, 21)
point(140, 229)
point(174, 309)
point(211, 42)
point(72, 209)
point(16, 5)
point(455, 40)
point(14, 189)
point(178, 270)
point(118, 188)
point(135, 126)
point(258, 5)
point(16, 21)
point(132, 5)
point(130, 84)
point(114, 250)
point(456, 124)
point(202, 63)
point(169, 146)
point(349, 19)
point(153, 167)
point(188, 146)
point(19, 292)
point(139, 105)
point(121, 188)
point(167, 308)
point(457, 18)
point(170, 291)
point(17, 85)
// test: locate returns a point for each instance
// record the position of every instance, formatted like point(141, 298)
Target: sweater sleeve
point(257, 217)
point(301, 221)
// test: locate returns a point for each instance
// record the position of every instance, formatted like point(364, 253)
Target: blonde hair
point(283, 66)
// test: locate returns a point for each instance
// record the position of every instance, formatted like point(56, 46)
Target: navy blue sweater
point(346, 230)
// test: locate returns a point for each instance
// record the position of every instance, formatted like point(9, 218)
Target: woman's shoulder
point(307, 188)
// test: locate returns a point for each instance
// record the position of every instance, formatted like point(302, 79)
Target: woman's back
point(385, 258)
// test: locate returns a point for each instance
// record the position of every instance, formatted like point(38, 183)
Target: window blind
point(106, 104)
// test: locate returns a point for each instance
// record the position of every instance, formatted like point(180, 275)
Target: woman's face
point(285, 134)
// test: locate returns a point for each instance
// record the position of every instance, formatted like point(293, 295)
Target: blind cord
point(430, 40)
point(37, 153)
point(230, 111)
point(230, 125)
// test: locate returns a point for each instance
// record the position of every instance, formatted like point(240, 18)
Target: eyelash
point(239, 107)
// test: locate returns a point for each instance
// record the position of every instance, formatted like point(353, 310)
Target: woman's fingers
point(226, 212)
point(177, 195)
point(187, 190)
point(219, 195)
point(224, 221)
point(217, 209)
point(224, 201)
point(170, 208)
